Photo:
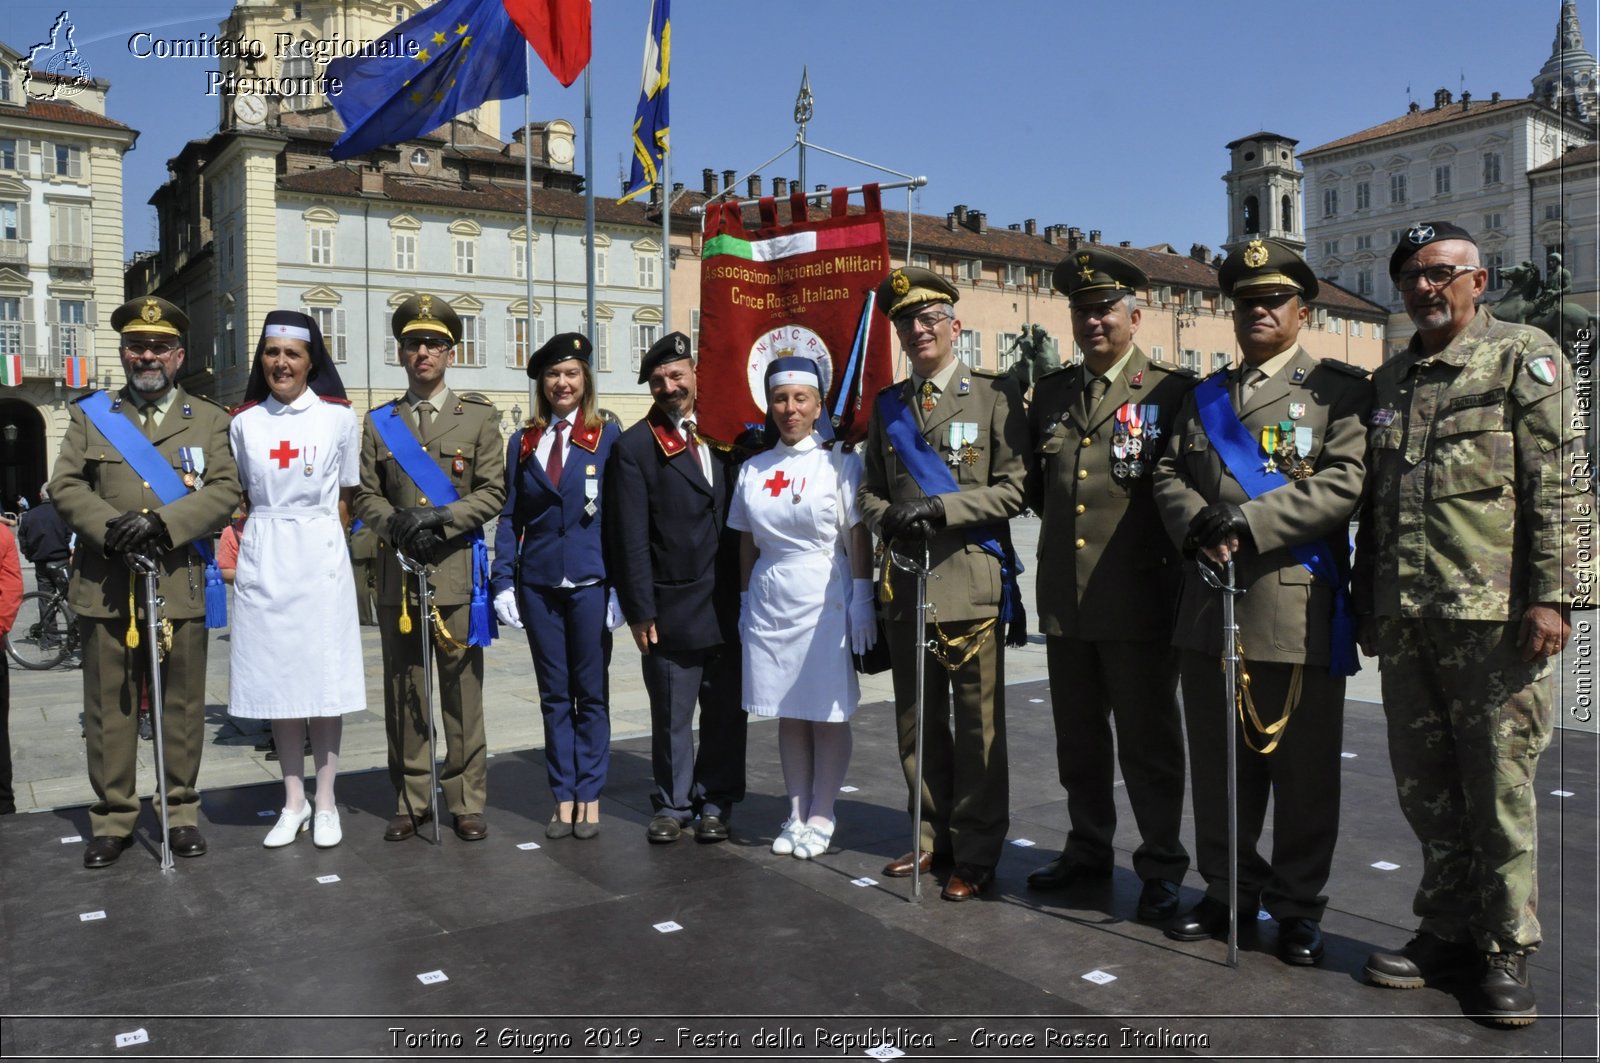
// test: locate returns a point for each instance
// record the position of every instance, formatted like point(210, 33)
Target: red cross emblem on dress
point(777, 483)
point(283, 455)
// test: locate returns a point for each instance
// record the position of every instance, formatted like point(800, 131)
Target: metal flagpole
point(588, 208)
point(666, 245)
point(527, 196)
point(804, 107)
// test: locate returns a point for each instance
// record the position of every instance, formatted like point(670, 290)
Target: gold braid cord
point(132, 638)
point(944, 644)
point(441, 634)
point(1245, 706)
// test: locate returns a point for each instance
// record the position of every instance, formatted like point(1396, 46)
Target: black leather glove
point(134, 532)
point(1017, 630)
point(1214, 525)
point(427, 546)
point(914, 519)
point(404, 524)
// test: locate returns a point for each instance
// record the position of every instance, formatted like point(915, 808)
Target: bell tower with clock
point(1264, 189)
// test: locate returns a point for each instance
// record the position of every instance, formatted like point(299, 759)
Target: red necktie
point(552, 464)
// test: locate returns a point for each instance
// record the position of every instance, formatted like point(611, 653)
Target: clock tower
point(1264, 189)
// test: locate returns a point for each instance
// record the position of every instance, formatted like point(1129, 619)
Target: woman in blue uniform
point(549, 574)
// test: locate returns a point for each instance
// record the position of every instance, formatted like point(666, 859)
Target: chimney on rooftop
point(1466, 101)
point(371, 181)
point(1031, 226)
point(708, 181)
point(780, 187)
point(753, 186)
point(1094, 236)
point(727, 178)
point(961, 213)
point(950, 222)
point(1074, 237)
point(1052, 234)
point(1199, 252)
point(1125, 243)
point(1414, 107)
point(1494, 97)
point(1441, 97)
point(1014, 227)
point(677, 186)
point(978, 221)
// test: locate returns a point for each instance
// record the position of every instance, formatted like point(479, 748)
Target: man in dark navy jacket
point(675, 567)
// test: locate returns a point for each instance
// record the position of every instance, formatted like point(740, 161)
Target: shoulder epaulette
point(992, 374)
point(243, 406)
point(336, 400)
point(1344, 367)
point(192, 398)
point(476, 400)
point(1051, 373)
point(1175, 370)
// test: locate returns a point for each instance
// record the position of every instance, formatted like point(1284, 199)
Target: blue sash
point(155, 470)
point(1247, 462)
point(435, 486)
point(934, 477)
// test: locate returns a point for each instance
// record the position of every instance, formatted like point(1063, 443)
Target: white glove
point(614, 617)
point(862, 618)
point(505, 608)
point(744, 613)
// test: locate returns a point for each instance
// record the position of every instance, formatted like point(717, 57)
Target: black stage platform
point(250, 953)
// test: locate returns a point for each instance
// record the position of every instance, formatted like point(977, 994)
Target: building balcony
point(13, 253)
point(71, 256)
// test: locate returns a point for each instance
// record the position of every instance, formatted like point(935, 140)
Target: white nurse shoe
point(288, 828)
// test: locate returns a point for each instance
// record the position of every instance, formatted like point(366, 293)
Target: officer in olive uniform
point(1107, 581)
point(1276, 494)
point(974, 424)
point(462, 436)
point(115, 512)
point(1469, 562)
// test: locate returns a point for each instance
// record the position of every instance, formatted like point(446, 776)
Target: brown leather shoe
point(966, 882)
point(900, 867)
point(186, 841)
point(472, 827)
point(404, 826)
point(103, 850)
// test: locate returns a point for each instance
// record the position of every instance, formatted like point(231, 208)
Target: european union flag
point(650, 120)
point(444, 60)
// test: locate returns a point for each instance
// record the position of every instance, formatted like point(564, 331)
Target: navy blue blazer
point(673, 558)
point(546, 534)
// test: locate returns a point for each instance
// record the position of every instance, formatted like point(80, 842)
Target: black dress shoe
point(102, 850)
point(1158, 901)
point(711, 829)
point(1507, 992)
point(1425, 960)
point(1208, 919)
point(663, 829)
point(967, 881)
point(186, 841)
point(404, 825)
point(1299, 941)
point(1061, 874)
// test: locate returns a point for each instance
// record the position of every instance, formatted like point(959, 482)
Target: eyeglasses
point(156, 347)
point(928, 321)
point(416, 343)
point(1436, 276)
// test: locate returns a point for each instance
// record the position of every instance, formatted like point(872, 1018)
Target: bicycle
point(49, 638)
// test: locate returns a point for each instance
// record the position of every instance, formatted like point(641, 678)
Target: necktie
point(1092, 397)
point(1250, 378)
point(149, 419)
point(552, 464)
point(424, 418)
point(692, 437)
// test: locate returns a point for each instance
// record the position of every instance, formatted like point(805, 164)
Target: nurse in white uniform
point(295, 653)
point(805, 562)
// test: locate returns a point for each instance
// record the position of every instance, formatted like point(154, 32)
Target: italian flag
point(11, 370)
point(774, 248)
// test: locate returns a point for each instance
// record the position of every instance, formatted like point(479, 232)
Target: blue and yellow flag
point(650, 120)
point(443, 60)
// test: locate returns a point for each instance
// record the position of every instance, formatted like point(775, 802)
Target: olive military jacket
point(1477, 481)
point(464, 440)
point(93, 483)
point(1107, 571)
point(991, 487)
point(1285, 614)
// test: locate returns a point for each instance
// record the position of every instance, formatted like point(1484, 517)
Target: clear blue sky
point(1103, 116)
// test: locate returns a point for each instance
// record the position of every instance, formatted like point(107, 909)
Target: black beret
point(1421, 235)
point(669, 348)
point(560, 348)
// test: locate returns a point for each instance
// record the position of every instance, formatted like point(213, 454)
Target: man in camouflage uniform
point(1460, 583)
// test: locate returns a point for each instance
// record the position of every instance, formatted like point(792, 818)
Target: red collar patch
point(668, 437)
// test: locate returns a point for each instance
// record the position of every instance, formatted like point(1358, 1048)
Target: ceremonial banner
point(75, 371)
point(805, 288)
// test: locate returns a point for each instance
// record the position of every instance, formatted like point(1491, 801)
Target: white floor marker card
point(265, 813)
point(1023, 843)
point(133, 1037)
point(863, 881)
point(325, 879)
point(885, 1051)
point(527, 846)
point(1384, 865)
point(74, 838)
point(668, 927)
point(1348, 756)
point(1553, 793)
point(1099, 977)
point(89, 917)
point(848, 789)
point(430, 977)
